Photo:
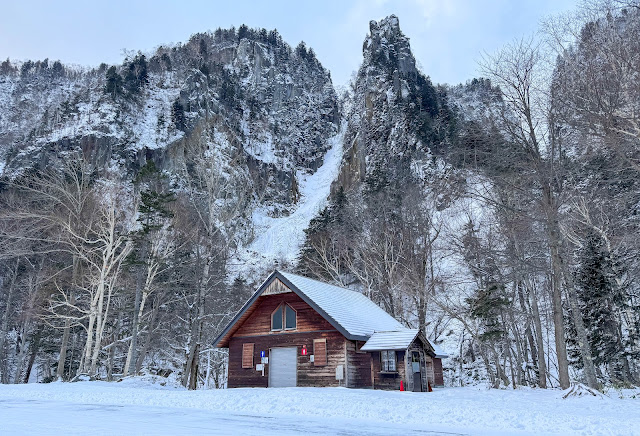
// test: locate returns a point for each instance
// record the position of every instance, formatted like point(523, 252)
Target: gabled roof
point(354, 312)
point(349, 312)
point(394, 340)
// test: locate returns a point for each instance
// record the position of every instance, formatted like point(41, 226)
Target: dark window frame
point(282, 308)
point(385, 360)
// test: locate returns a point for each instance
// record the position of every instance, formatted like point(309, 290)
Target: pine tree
point(602, 301)
point(177, 115)
point(113, 86)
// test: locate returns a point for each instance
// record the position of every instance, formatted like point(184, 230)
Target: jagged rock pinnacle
point(387, 47)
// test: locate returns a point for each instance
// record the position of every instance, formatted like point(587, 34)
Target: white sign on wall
point(340, 372)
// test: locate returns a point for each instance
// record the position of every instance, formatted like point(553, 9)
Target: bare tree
point(528, 121)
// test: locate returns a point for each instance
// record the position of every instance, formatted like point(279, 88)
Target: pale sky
point(447, 36)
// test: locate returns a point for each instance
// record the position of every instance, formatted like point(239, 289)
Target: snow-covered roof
point(392, 340)
point(350, 312)
point(440, 353)
point(354, 312)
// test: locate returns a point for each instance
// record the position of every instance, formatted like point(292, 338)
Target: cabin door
point(283, 367)
point(415, 369)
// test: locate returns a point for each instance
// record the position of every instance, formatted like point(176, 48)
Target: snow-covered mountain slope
point(258, 109)
point(278, 239)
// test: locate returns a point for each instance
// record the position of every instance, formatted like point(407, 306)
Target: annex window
point(284, 318)
point(388, 360)
point(247, 355)
point(319, 352)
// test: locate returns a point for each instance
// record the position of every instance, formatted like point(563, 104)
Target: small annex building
point(296, 331)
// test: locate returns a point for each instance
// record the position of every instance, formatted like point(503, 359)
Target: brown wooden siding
point(358, 366)
point(437, 372)
point(388, 381)
point(308, 374)
point(259, 323)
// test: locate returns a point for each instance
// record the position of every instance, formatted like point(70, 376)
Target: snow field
point(469, 410)
point(281, 238)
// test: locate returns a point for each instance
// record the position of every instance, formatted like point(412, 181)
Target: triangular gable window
point(284, 318)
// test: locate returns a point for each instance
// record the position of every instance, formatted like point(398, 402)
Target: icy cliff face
point(275, 103)
point(397, 118)
point(260, 109)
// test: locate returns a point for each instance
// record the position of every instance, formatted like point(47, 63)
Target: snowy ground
point(137, 407)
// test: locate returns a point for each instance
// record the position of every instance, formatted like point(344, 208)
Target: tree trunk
point(63, 349)
point(4, 327)
point(129, 369)
point(147, 342)
point(62, 357)
point(35, 347)
point(582, 338)
point(22, 353)
point(537, 324)
point(556, 284)
point(193, 376)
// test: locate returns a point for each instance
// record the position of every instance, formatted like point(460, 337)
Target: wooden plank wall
point(310, 325)
point(308, 373)
point(437, 372)
point(260, 321)
point(389, 381)
point(358, 365)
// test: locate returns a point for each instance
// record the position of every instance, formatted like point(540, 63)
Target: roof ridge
point(324, 283)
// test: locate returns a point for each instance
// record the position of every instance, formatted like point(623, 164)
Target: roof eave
point(384, 348)
point(242, 310)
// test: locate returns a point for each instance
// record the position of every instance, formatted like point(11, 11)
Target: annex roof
point(440, 353)
point(392, 340)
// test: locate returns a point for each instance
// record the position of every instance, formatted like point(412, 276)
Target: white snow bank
point(280, 239)
point(459, 410)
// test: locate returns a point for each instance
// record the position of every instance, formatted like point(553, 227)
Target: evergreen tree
point(602, 300)
point(113, 86)
point(137, 74)
point(145, 260)
point(243, 32)
point(177, 115)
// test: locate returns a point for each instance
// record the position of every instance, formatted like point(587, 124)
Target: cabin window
point(284, 318)
point(388, 360)
point(247, 355)
point(276, 319)
point(289, 317)
point(319, 352)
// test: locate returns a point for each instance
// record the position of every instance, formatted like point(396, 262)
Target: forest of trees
point(522, 249)
point(101, 276)
point(526, 245)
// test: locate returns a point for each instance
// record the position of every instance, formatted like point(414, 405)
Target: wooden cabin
point(295, 331)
